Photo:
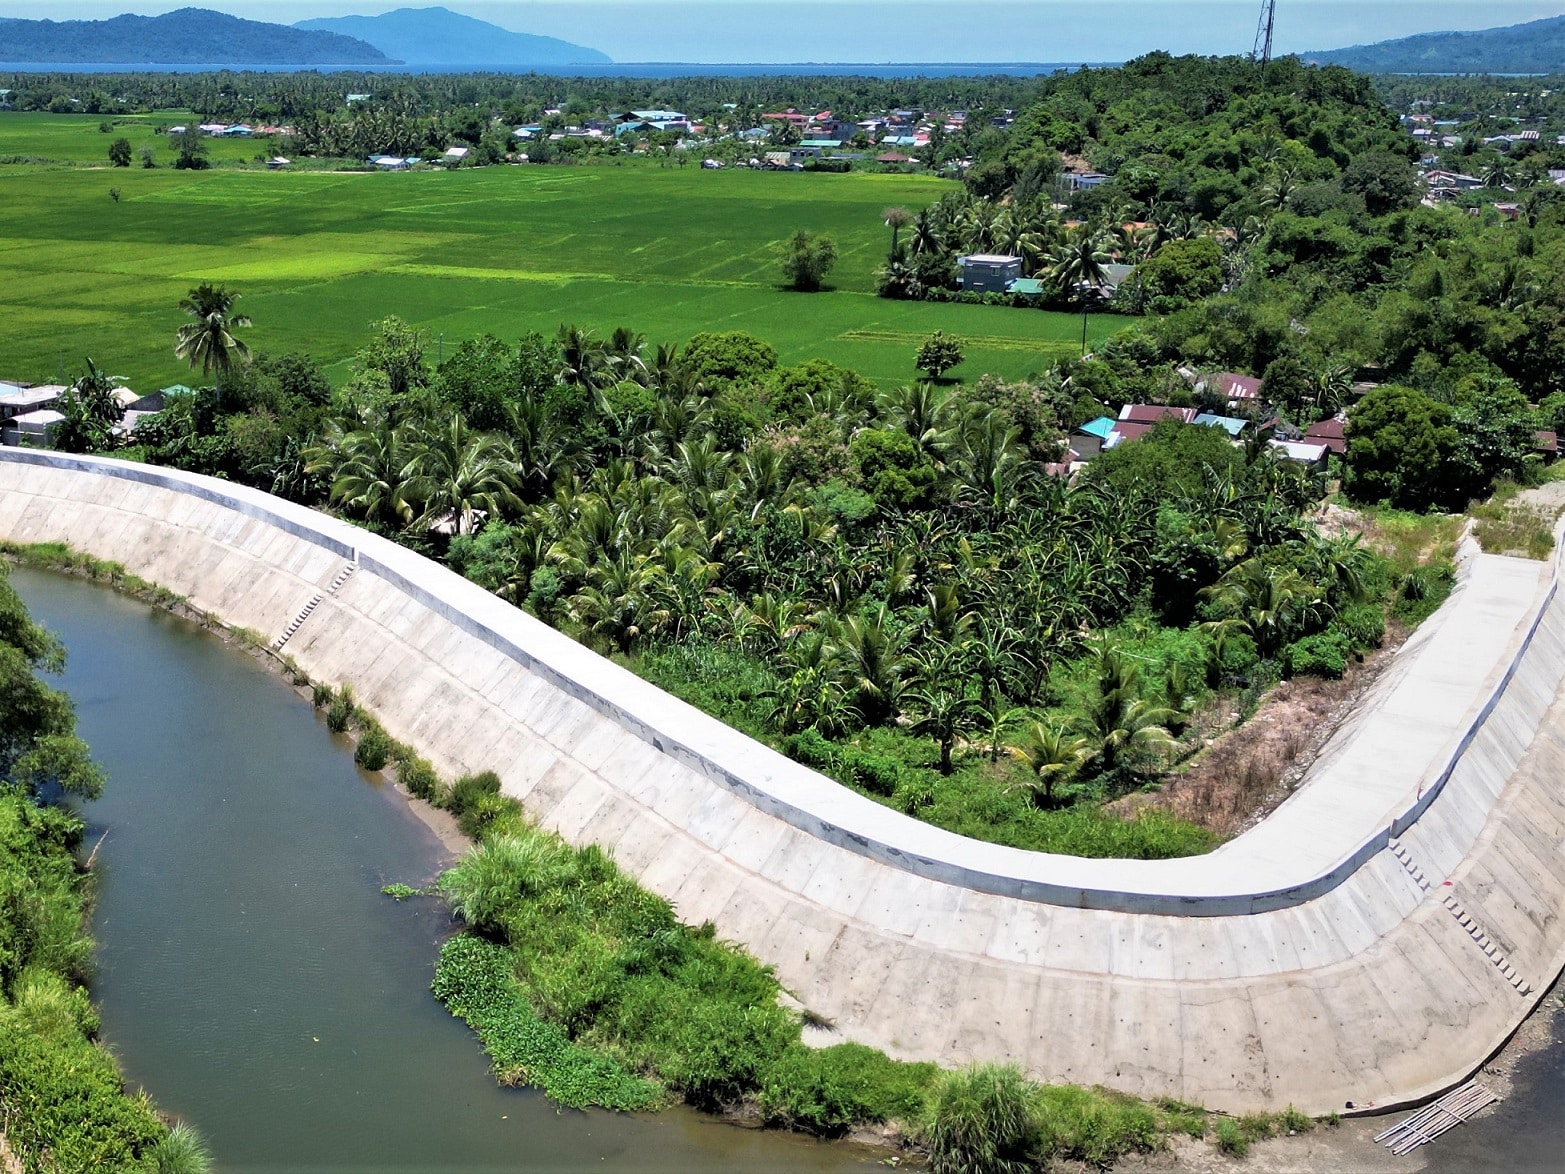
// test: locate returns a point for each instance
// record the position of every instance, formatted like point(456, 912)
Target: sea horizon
point(628, 69)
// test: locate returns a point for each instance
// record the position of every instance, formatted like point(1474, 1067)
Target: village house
point(17, 399)
point(989, 272)
point(1156, 414)
point(1330, 434)
point(31, 429)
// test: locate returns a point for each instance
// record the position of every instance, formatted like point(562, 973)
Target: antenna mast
point(1263, 33)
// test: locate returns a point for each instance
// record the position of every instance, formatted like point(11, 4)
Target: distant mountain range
point(438, 36)
point(191, 36)
point(433, 37)
point(1535, 47)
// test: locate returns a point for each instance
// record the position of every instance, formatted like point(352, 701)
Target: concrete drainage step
point(342, 577)
point(297, 621)
point(1468, 923)
point(1486, 944)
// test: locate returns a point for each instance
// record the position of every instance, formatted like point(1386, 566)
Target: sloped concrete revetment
point(1372, 942)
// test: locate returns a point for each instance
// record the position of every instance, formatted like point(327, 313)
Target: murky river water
point(253, 979)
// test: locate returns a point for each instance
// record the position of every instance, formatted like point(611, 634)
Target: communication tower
point(1263, 33)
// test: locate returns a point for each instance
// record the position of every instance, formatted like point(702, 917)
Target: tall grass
point(1505, 525)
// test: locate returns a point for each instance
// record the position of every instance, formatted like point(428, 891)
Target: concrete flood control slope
point(1372, 942)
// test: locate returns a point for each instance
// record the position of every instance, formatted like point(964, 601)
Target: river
point(251, 976)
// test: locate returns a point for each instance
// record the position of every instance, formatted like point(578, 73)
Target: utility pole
point(1263, 34)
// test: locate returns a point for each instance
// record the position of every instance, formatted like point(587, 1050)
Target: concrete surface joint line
point(1326, 955)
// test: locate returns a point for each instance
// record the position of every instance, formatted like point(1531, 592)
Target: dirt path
point(1245, 773)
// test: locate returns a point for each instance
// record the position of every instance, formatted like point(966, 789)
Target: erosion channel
point(251, 975)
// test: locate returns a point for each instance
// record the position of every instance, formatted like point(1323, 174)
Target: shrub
point(374, 748)
point(1324, 654)
point(1364, 625)
point(830, 1090)
point(468, 790)
point(473, 979)
point(719, 1047)
point(417, 776)
point(340, 715)
point(880, 774)
point(1092, 1126)
point(981, 1120)
point(481, 816)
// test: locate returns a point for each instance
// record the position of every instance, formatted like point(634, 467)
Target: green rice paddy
point(320, 255)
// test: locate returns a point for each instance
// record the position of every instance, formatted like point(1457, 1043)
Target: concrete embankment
point(1371, 942)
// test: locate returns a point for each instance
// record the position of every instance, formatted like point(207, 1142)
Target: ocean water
point(646, 69)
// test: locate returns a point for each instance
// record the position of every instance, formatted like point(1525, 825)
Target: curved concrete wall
point(1373, 941)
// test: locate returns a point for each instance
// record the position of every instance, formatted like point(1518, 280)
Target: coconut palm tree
point(872, 662)
point(208, 340)
point(945, 714)
point(1078, 268)
point(1121, 720)
point(1052, 754)
point(619, 601)
point(1263, 602)
point(371, 473)
point(928, 236)
point(896, 219)
point(461, 475)
point(583, 359)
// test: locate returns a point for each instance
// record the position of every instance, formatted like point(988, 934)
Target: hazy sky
point(893, 30)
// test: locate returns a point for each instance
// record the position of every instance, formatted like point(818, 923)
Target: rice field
point(320, 255)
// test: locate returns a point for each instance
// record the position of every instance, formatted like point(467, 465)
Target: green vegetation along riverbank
point(63, 1103)
point(583, 984)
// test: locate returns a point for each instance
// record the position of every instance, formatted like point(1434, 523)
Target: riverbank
point(64, 1103)
point(840, 1090)
point(249, 971)
point(1523, 1134)
point(1333, 1146)
point(447, 666)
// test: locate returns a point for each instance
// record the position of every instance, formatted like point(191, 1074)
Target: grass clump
point(375, 746)
point(57, 556)
point(415, 773)
point(183, 1151)
point(1504, 525)
point(340, 713)
point(983, 1120)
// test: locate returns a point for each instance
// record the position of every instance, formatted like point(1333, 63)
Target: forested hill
point(1535, 47)
point(191, 36)
point(438, 36)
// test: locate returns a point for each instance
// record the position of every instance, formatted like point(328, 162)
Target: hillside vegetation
point(190, 36)
point(1535, 47)
point(438, 36)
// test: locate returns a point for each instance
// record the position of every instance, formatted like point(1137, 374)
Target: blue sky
point(894, 30)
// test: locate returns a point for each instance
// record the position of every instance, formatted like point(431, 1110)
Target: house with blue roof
point(1232, 425)
point(1088, 440)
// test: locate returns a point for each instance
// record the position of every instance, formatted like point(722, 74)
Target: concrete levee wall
point(1362, 983)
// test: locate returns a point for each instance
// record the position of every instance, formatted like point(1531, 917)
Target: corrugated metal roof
point(1101, 427)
